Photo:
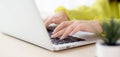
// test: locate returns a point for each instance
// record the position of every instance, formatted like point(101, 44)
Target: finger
point(85, 27)
point(50, 20)
point(62, 26)
point(76, 29)
point(47, 22)
point(58, 33)
point(82, 27)
point(45, 19)
point(68, 31)
point(56, 20)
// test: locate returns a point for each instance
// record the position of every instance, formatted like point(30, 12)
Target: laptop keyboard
point(68, 39)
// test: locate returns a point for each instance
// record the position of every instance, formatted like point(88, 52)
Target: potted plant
point(109, 46)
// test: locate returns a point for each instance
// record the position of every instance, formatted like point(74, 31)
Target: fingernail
point(53, 32)
point(70, 34)
point(52, 36)
point(61, 38)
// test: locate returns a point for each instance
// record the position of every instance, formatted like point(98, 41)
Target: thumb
point(56, 21)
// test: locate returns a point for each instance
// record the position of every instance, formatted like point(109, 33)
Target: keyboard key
point(68, 39)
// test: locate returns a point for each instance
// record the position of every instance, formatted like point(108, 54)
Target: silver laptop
point(21, 19)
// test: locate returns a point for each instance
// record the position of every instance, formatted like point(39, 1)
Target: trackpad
point(82, 34)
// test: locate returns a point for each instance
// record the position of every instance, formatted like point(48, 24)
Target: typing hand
point(56, 18)
point(71, 27)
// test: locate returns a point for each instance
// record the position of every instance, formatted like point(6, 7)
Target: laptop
point(21, 19)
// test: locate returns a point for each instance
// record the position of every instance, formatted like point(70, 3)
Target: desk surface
point(10, 47)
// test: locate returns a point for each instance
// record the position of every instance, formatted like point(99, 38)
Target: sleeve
point(79, 13)
point(105, 10)
point(119, 10)
point(98, 11)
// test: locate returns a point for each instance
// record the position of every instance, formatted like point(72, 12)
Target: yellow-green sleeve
point(79, 13)
point(106, 9)
point(119, 10)
point(98, 11)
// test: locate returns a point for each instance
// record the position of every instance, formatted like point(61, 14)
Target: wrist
point(64, 15)
point(96, 24)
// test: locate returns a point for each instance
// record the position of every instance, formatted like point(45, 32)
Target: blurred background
point(47, 7)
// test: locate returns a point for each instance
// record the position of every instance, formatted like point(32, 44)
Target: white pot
point(107, 51)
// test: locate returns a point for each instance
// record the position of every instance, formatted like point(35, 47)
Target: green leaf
point(111, 31)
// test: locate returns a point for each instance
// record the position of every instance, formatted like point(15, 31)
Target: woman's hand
point(56, 18)
point(71, 27)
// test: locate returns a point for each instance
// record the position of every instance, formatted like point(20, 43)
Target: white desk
point(10, 47)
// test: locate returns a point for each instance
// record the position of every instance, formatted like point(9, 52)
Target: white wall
point(48, 6)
